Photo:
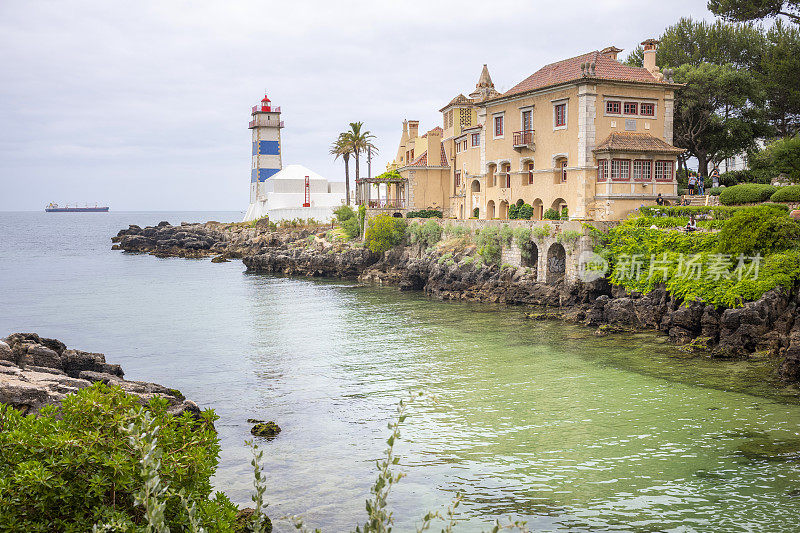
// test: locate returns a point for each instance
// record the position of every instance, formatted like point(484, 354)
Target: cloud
point(111, 100)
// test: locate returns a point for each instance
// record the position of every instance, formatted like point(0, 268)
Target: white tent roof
point(296, 172)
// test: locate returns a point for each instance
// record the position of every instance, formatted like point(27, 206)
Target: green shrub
point(787, 194)
point(344, 212)
point(351, 227)
point(426, 234)
point(759, 229)
point(716, 212)
point(489, 245)
point(520, 211)
point(746, 193)
point(424, 213)
point(551, 214)
point(735, 177)
point(476, 213)
point(569, 236)
point(506, 234)
point(541, 232)
point(70, 469)
point(714, 191)
point(456, 231)
point(384, 232)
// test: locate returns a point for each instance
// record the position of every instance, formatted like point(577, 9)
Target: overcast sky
point(144, 105)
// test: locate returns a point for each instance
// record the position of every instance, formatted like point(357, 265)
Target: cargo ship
point(54, 208)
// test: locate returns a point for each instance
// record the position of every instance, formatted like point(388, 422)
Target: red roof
point(628, 141)
point(265, 99)
point(570, 70)
point(421, 161)
point(435, 130)
point(444, 158)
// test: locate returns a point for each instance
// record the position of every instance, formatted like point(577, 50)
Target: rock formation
point(36, 371)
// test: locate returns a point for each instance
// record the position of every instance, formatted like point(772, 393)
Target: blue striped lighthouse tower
point(266, 124)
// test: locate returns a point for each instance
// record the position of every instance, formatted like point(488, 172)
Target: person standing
point(715, 177)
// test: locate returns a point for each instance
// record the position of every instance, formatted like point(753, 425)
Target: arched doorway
point(538, 209)
point(559, 205)
point(475, 198)
point(490, 209)
point(503, 210)
point(529, 254)
point(556, 263)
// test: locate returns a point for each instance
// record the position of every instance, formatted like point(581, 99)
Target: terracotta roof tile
point(437, 129)
point(421, 161)
point(636, 142)
point(444, 158)
point(570, 70)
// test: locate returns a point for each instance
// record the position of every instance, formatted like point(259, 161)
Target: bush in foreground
point(70, 472)
point(746, 193)
point(384, 232)
point(425, 213)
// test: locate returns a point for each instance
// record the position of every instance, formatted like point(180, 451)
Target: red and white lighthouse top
point(265, 106)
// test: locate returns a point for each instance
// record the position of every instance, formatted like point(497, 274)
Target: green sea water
point(539, 421)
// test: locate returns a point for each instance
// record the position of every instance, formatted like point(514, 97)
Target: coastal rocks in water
point(268, 430)
point(36, 371)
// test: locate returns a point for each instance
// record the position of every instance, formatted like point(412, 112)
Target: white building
point(284, 193)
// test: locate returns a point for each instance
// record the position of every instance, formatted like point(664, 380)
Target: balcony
point(523, 139)
point(265, 109)
point(387, 204)
point(253, 124)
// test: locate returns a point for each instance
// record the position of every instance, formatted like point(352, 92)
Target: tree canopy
point(746, 10)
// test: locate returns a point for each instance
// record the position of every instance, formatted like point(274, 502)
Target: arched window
point(529, 168)
point(505, 178)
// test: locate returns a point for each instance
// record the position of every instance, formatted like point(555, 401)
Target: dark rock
point(40, 355)
point(268, 430)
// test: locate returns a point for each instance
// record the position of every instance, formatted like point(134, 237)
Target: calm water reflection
point(533, 419)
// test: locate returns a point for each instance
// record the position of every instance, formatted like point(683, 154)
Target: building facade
point(587, 137)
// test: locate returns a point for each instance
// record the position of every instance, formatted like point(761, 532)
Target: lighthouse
point(290, 193)
point(266, 125)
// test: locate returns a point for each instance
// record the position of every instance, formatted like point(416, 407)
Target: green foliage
point(259, 522)
point(568, 236)
point(780, 157)
point(351, 227)
point(747, 10)
point(426, 234)
point(445, 257)
point(787, 194)
point(715, 212)
point(384, 232)
point(520, 212)
point(362, 216)
point(735, 177)
point(72, 469)
point(758, 229)
point(541, 232)
point(522, 236)
point(424, 213)
point(476, 212)
point(344, 212)
point(391, 175)
point(489, 242)
point(506, 234)
point(764, 229)
point(551, 214)
point(746, 193)
point(714, 191)
point(456, 231)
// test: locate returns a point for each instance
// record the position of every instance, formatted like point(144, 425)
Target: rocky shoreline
point(37, 371)
point(768, 326)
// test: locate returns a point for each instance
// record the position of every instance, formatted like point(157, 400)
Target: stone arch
point(503, 212)
point(491, 174)
point(529, 254)
point(559, 204)
point(526, 168)
point(505, 175)
point(556, 263)
point(490, 210)
point(538, 209)
point(475, 186)
point(474, 198)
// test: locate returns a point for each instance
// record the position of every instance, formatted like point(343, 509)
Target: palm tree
point(359, 142)
point(341, 148)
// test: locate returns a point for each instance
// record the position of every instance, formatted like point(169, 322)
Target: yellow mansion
point(588, 137)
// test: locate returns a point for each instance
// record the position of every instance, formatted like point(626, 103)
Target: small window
point(620, 169)
point(612, 107)
point(642, 170)
point(647, 110)
point(602, 170)
point(560, 111)
point(458, 179)
point(631, 108)
point(498, 126)
point(564, 171)
point(530, 173)
point(663, 170)
point(465, 144)
point(476, 139)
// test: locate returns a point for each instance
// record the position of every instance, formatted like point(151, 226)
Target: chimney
point(413, 128)
point(611, 52)
point(650, 46)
